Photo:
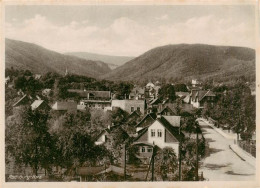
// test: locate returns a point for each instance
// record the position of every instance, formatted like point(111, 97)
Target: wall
point(127, 104)
point(160, 141)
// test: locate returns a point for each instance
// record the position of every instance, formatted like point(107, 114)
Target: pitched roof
point(137, 90)
point(21, 100)
point(155, 101)
point(201, 94)
point(97, 94)
point(65, 105)
point(173, 120)
point(182, 93)
point(167, 109)
point(151, 115)
point(173, 130)
point(36, 104)
point(108, 130)
point(92, 170)
point(135, 113)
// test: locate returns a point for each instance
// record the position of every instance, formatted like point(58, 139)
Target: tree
point(167, 92)
point(180, 88)
point(100, 119)
point(74, 143)
point(166, 163)
point(31, 144)
point(115, 143)
point(119, 116)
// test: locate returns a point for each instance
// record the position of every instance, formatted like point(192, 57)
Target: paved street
point(222, 163)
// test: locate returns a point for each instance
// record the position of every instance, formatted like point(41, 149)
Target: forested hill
point(184, 61)
point(23, 55)
point(112, 61)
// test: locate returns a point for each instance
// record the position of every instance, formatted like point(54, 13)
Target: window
point(159, 133)
point(152, 132)
point(132, 109)
point(143, 149)
point(149, 150)
point(138, 109)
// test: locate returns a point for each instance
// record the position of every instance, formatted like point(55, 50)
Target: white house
point(163, 132)
point(199, 97)
point(129, 105)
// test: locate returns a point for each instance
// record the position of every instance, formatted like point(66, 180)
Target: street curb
point(243, 155)
point(219, 131)
point(237, 153)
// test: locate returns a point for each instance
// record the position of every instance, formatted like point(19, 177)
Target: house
point(129, 105)
point(22, 101)
point(69, 106)
point(46, 92)
point(187, 99)
point(135, 115)
point(93, 99)
point(167, 111)
point(163, 132)
point(153, 105)
point(150, 85)
point(146, 121)
point(137, 93)
point(84, 172)
point(199, 97)
point(37, 76)
point(101, 138)
point(40, 105)
point(195, 82)
point(113, 173)
point(182, 94)
point(92, 95)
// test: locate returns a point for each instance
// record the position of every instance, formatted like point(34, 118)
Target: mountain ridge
point(112, 61)
point(25, 55)
point(184, 61)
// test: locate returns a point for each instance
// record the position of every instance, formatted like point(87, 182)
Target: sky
point(129, 30)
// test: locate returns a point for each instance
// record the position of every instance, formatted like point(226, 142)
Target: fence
point(249, 147)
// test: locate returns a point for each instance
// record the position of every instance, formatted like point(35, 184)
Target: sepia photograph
point(114, 92)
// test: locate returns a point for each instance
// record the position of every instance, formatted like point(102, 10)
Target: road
point(222, 164)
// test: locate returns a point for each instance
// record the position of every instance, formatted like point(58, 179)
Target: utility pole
point(197, 152)
point(125, 164)
point(180, 161)
point(180, 145)
point(153, 166)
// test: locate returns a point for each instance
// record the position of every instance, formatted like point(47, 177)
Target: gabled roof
point(150, 84)
point(135, 113)
point(182, 93)
point(167, 109)
point(36, 104)
point(137, 90)
point(65, 105)
point(155, 101)
point(173, 130)
point(107, 130)
point(151, 115)
point(173, 120)
point(201, 94)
